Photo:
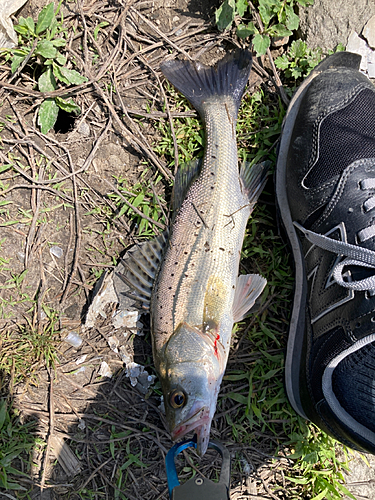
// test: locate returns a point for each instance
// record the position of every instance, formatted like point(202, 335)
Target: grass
point(16, 442)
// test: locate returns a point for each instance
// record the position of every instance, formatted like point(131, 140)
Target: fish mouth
point(200, 422)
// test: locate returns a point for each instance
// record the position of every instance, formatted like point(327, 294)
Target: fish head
point(190, 397)
point(191, 383)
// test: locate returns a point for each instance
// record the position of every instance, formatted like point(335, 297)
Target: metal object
point(198, 488)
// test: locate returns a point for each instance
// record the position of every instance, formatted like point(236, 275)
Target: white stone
point(369, 32)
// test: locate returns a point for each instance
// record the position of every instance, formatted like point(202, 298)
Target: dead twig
point(50, 433)
point(131, 138)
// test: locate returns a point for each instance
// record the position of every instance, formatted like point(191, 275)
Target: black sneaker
point(325, 186)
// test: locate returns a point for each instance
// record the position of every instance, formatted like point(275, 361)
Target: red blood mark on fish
point(215, 346)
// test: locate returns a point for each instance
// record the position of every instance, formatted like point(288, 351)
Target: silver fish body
point(197, 294)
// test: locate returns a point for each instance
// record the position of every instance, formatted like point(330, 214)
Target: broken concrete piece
point(65, 456)
point(127, 319)
point(73, 339)
point(359, 46)
point(113, 343)
point(138, 375)
point(369, 32)
point(104, 370)
point(104, 294)
point(8, 37)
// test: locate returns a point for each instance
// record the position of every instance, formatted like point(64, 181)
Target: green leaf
point(296, 480)
point(14, 486)
point(237, 376)
point(261, 44)
point(266, 10)
point(311, 458)
point(45, 18)
point(16, 61)
point(241, 6)
point(46, 49)
point(296, 72)
point(4, 168)
point(72, 76)
point(58, 42)
point(298, 49)
point(245, 31)
point(68, 105)
point(280, 30)
point(22, 30)
point(46, 81)
point(103, 24)
point(225, 15)
point(3, 412)
point(292, 20)
point(60, 59)
point(28, 23)
point(47, 115)
point(238, 397)
point(57, 72)
point(282, 62)
point(321, 495)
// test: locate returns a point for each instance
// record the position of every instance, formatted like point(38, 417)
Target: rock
point(369, 32)
point(359, 46)
point(326, 23)
point(361, 478)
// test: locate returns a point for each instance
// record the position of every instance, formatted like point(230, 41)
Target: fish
point(188, 277)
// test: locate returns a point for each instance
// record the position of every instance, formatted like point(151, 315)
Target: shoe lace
point(355, 255)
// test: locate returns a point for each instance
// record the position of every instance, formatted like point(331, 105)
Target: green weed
point(24, 351)
point(299, 60)
point(16, 442)
point(278, 18)
point(142, 197)
point(42, 42)
point(318, 470)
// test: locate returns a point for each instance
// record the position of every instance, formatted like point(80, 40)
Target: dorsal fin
point(253, 179)
point(186, 174)
point(140, 265)
point(248, 289)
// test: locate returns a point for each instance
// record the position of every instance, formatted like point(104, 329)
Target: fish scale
point(207, 234)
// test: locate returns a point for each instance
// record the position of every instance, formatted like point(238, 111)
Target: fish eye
point(177, 399)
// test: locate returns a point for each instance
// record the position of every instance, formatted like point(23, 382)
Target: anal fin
point(248, 289)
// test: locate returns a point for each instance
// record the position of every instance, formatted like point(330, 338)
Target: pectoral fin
point(248, 289)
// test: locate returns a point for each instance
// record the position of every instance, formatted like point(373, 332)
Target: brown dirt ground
point(112, 136)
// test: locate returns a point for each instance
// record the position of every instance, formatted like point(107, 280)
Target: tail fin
point(199, 82)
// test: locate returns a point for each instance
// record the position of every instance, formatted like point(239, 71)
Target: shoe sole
point(297, 321)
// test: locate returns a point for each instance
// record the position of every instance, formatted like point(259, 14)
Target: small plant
point(24, 351)
point(142, 198)
point(318, 469)
point(277, 16)
point(16, 441)
point(299, 60)
point(42, 43)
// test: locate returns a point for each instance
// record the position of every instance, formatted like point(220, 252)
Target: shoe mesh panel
point(345, 136)
point(353, 383)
